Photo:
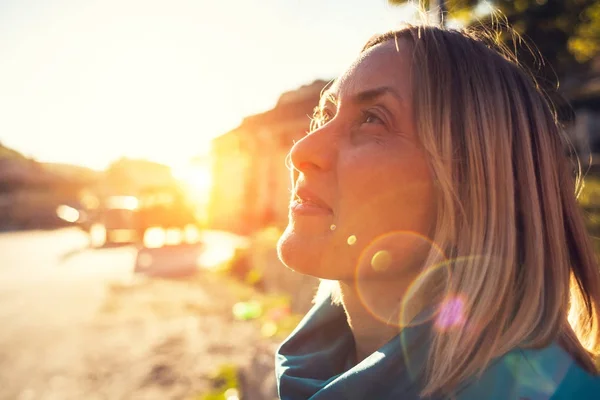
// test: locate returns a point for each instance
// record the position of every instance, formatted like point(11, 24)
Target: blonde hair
point(508, 207)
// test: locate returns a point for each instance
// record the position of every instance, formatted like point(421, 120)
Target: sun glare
point(196, 179)
point(147, 79)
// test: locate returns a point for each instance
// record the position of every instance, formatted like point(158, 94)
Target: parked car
point(115, 222)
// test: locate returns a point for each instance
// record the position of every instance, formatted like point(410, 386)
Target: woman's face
point(362, 184)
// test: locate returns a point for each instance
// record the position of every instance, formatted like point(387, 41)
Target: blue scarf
point(317, 362)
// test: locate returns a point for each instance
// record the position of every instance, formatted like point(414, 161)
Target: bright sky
point(89, 81)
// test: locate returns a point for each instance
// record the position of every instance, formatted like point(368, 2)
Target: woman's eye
point(370, 118)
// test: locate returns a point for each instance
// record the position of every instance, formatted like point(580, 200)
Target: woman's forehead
point(383, 65)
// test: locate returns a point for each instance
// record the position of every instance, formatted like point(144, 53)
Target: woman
point(434, 192)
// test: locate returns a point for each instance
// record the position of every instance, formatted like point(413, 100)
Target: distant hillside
point(16, 171)
point(30, 192)
point(8, 153)
point(71, 172)
point(124, 176)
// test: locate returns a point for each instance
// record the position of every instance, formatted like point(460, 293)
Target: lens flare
point(381, 260)
point(451, 313)
point(448, 310)
point(442, 311)
point(539, 372)
point(351, 240)
point(426, 292)
point(388, 260)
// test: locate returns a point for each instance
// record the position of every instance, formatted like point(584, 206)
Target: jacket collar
point(316, 361)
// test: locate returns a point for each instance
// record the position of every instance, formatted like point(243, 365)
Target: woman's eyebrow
point(372, 94)
point(366, 96)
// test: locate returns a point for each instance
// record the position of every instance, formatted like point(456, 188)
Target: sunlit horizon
point(89, 82)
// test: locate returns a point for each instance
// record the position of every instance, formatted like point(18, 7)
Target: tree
point(566, 32)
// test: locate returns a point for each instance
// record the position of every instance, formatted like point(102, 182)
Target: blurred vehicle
point(163, 207)
point(115, 222)
point(179, 260)
point(155, 217)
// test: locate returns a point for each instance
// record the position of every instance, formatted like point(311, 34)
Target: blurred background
point(143, 184)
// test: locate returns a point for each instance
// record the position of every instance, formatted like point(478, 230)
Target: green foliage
point(585, 43)
point(590, 195)
point(455, 4)
point(589, 199)
point(224, 381)
point(277, 314)
point(567, 32)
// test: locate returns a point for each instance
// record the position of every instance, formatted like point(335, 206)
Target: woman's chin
point(307, 254)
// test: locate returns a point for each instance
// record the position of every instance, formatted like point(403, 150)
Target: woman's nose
point(314, 152)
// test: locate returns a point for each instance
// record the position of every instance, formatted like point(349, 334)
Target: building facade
point(251, 182)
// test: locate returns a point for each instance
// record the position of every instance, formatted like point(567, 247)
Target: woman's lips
point(300, 207)
point(306, 202)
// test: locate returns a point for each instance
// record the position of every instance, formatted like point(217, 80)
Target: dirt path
point(152, 339)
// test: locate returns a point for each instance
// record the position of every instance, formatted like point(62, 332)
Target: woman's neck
point(367, 313)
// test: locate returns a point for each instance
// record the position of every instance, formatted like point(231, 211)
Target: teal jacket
point(315, 363)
